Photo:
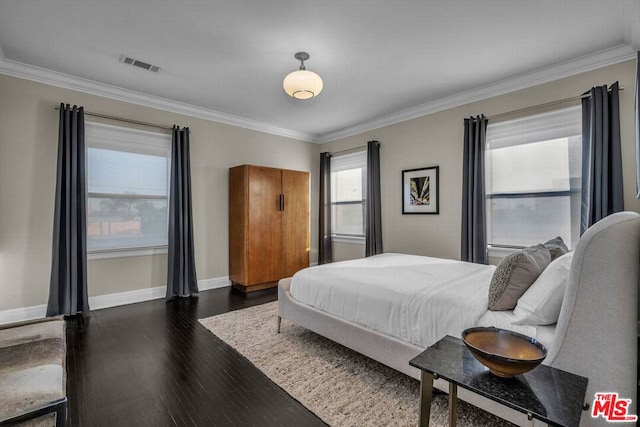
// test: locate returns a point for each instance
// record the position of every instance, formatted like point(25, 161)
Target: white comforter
point(417, 299)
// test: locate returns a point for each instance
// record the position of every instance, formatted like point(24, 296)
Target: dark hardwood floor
point(153, 364)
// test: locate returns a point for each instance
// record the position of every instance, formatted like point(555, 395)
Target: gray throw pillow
point(556, 247)
point(513, 276)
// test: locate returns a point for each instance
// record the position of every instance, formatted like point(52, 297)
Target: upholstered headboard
point(596, 334)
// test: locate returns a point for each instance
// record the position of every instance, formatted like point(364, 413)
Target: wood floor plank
point(153, 364)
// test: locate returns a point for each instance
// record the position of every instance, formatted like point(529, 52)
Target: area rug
point(340, 386)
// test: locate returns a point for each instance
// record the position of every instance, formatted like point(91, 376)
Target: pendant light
point(302, 84)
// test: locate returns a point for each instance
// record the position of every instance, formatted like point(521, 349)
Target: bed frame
point(596, 334)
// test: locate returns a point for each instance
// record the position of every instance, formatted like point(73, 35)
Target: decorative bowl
point(504, 352)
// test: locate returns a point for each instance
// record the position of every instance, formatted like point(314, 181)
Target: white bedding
point(417, 299)
point(507, 320)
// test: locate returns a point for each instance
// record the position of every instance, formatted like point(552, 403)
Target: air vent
point(131, 61)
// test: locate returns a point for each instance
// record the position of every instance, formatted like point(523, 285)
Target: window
point(533, 179)
point(348, 190)
point(127, 181)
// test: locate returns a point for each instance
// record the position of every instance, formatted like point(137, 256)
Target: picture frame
point(420, 191)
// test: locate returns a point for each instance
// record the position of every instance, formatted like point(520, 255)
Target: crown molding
point(603, 58)
point(67, 81)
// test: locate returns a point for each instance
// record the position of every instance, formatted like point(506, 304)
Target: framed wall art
point(420, 191)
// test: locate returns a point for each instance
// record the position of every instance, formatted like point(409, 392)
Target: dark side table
point(550, 395)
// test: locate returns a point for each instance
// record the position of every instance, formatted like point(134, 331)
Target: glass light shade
point(302, 84)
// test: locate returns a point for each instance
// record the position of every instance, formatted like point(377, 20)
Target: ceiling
point(382, 61)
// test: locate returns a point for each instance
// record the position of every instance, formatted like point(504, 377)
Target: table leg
point(426, 394)
point(453, 404)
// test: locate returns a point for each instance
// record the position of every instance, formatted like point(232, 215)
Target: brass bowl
point(504, 352)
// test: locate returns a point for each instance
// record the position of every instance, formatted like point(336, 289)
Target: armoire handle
point(282, 202)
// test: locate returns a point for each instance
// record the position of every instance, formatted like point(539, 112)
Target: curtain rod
point(348, 150)
point(121, 119)
point(354, 149)
point(540, 106)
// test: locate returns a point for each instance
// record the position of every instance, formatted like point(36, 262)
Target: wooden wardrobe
point(268, 225)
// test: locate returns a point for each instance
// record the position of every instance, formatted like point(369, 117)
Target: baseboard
point(109, 300)
point(23, 313)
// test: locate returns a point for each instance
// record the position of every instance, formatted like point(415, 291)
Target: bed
point(602, 278)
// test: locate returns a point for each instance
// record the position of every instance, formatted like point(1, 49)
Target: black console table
point(550, 395)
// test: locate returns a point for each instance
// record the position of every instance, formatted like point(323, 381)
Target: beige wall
point(437, 139)
point(28, 150)
point(342, 251)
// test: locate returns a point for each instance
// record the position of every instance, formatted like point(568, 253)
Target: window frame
point(348, 237)
point(155, 142)
point(556, 115)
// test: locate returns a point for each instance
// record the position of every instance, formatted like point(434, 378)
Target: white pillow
point(540, 304)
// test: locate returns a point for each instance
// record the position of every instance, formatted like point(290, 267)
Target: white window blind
point(540, 127)
point(348, 191)
point(533, 178)
point(127, 185)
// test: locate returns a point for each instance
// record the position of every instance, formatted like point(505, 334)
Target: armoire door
point(265, 225)
point(238, 223)
point(295, 222)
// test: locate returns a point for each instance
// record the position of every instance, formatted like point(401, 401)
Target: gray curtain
point(182, 280)
point(373, 202)
point(68, 285)
point(325, 253)
point(474, 228)
point(601, 156)
point(637, 119)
